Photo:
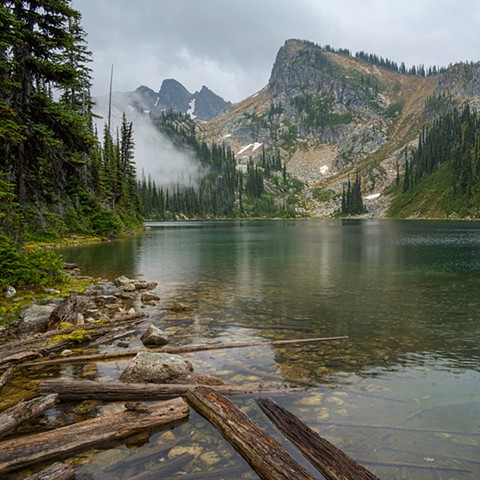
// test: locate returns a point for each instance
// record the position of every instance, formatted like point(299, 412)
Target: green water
point(401, 395)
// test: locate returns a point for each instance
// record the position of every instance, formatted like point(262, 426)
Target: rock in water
point(154, 336)
point(156, 368)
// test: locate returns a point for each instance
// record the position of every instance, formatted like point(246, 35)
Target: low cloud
point(155, 154)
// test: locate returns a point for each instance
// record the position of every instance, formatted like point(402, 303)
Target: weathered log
point(111, 337)
point(266, 456)
point(94, 433)
point(6, 376)
point(118, 391)
point(57, 471)
point(180, 350)
point(24, 411)
point(331, 462)
point(18, 357)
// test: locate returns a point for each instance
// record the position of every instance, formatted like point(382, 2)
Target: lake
point(401, 395)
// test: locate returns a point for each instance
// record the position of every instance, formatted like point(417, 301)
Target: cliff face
point(329, 113)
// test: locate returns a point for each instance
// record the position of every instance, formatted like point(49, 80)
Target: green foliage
point(394, 109)
point(442, 175)
point(323, 194)
point(106, 224)
point(352, 201)
point(317, 111)
point(225, 189)
point(28, 267)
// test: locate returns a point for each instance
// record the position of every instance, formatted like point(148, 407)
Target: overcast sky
point(230, 45)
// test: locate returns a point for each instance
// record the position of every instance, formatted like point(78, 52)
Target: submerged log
point(266, 456)
point(180, 350)
point(24, 411)
point(118, 391)
point(94, 433)
point(57, 471)
point(331, 462)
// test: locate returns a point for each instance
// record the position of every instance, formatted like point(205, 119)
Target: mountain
point(330, 114)
point(204, 105)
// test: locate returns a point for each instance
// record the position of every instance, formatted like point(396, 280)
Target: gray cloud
point(230, 46)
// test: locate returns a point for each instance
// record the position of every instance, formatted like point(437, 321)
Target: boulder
point(34, 318)
point(10, 292)
point(121, 281)
point(149, 367)
point(154, 336)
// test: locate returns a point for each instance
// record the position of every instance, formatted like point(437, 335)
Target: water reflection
point(406, 294)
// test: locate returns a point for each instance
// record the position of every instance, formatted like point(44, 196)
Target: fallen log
point(180, 350)
point(266, 456)
point(44, 343)
point(23, 452)
point(71, 390)
point(24, 411)
point(57, 471)
point(6, 377)
point(331, 462)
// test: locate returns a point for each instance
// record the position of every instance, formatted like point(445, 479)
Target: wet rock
point(150, 298)
point(154, 336)
point(121, 281)
point(180, 307)
point(144, 284)
point(156, 368)
point(34, 319)
point(10, 292)
point(129, 287)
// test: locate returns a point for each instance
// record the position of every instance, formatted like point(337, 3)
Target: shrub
point(28, 267)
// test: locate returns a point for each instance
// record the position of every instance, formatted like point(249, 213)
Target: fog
point(155, 154)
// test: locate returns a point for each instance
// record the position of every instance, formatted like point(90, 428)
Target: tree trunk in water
point(119, 391)
point(23, 452)
point(23, 411)
point(331, 462)
point(266, 456)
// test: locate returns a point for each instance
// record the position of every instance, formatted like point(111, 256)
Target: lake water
point(401, 395)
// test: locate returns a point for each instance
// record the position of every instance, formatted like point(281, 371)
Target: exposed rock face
point(156, 368)
point(203, 105)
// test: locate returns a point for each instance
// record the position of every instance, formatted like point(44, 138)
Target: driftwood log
point(266, 456)
point(23, 452)
point(180, 350)
point(24, 411)
point(331, 462)
point(118, 391)
point(57, 471)
point(6, 377)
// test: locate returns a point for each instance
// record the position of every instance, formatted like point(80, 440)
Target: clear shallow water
point(401, 395)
